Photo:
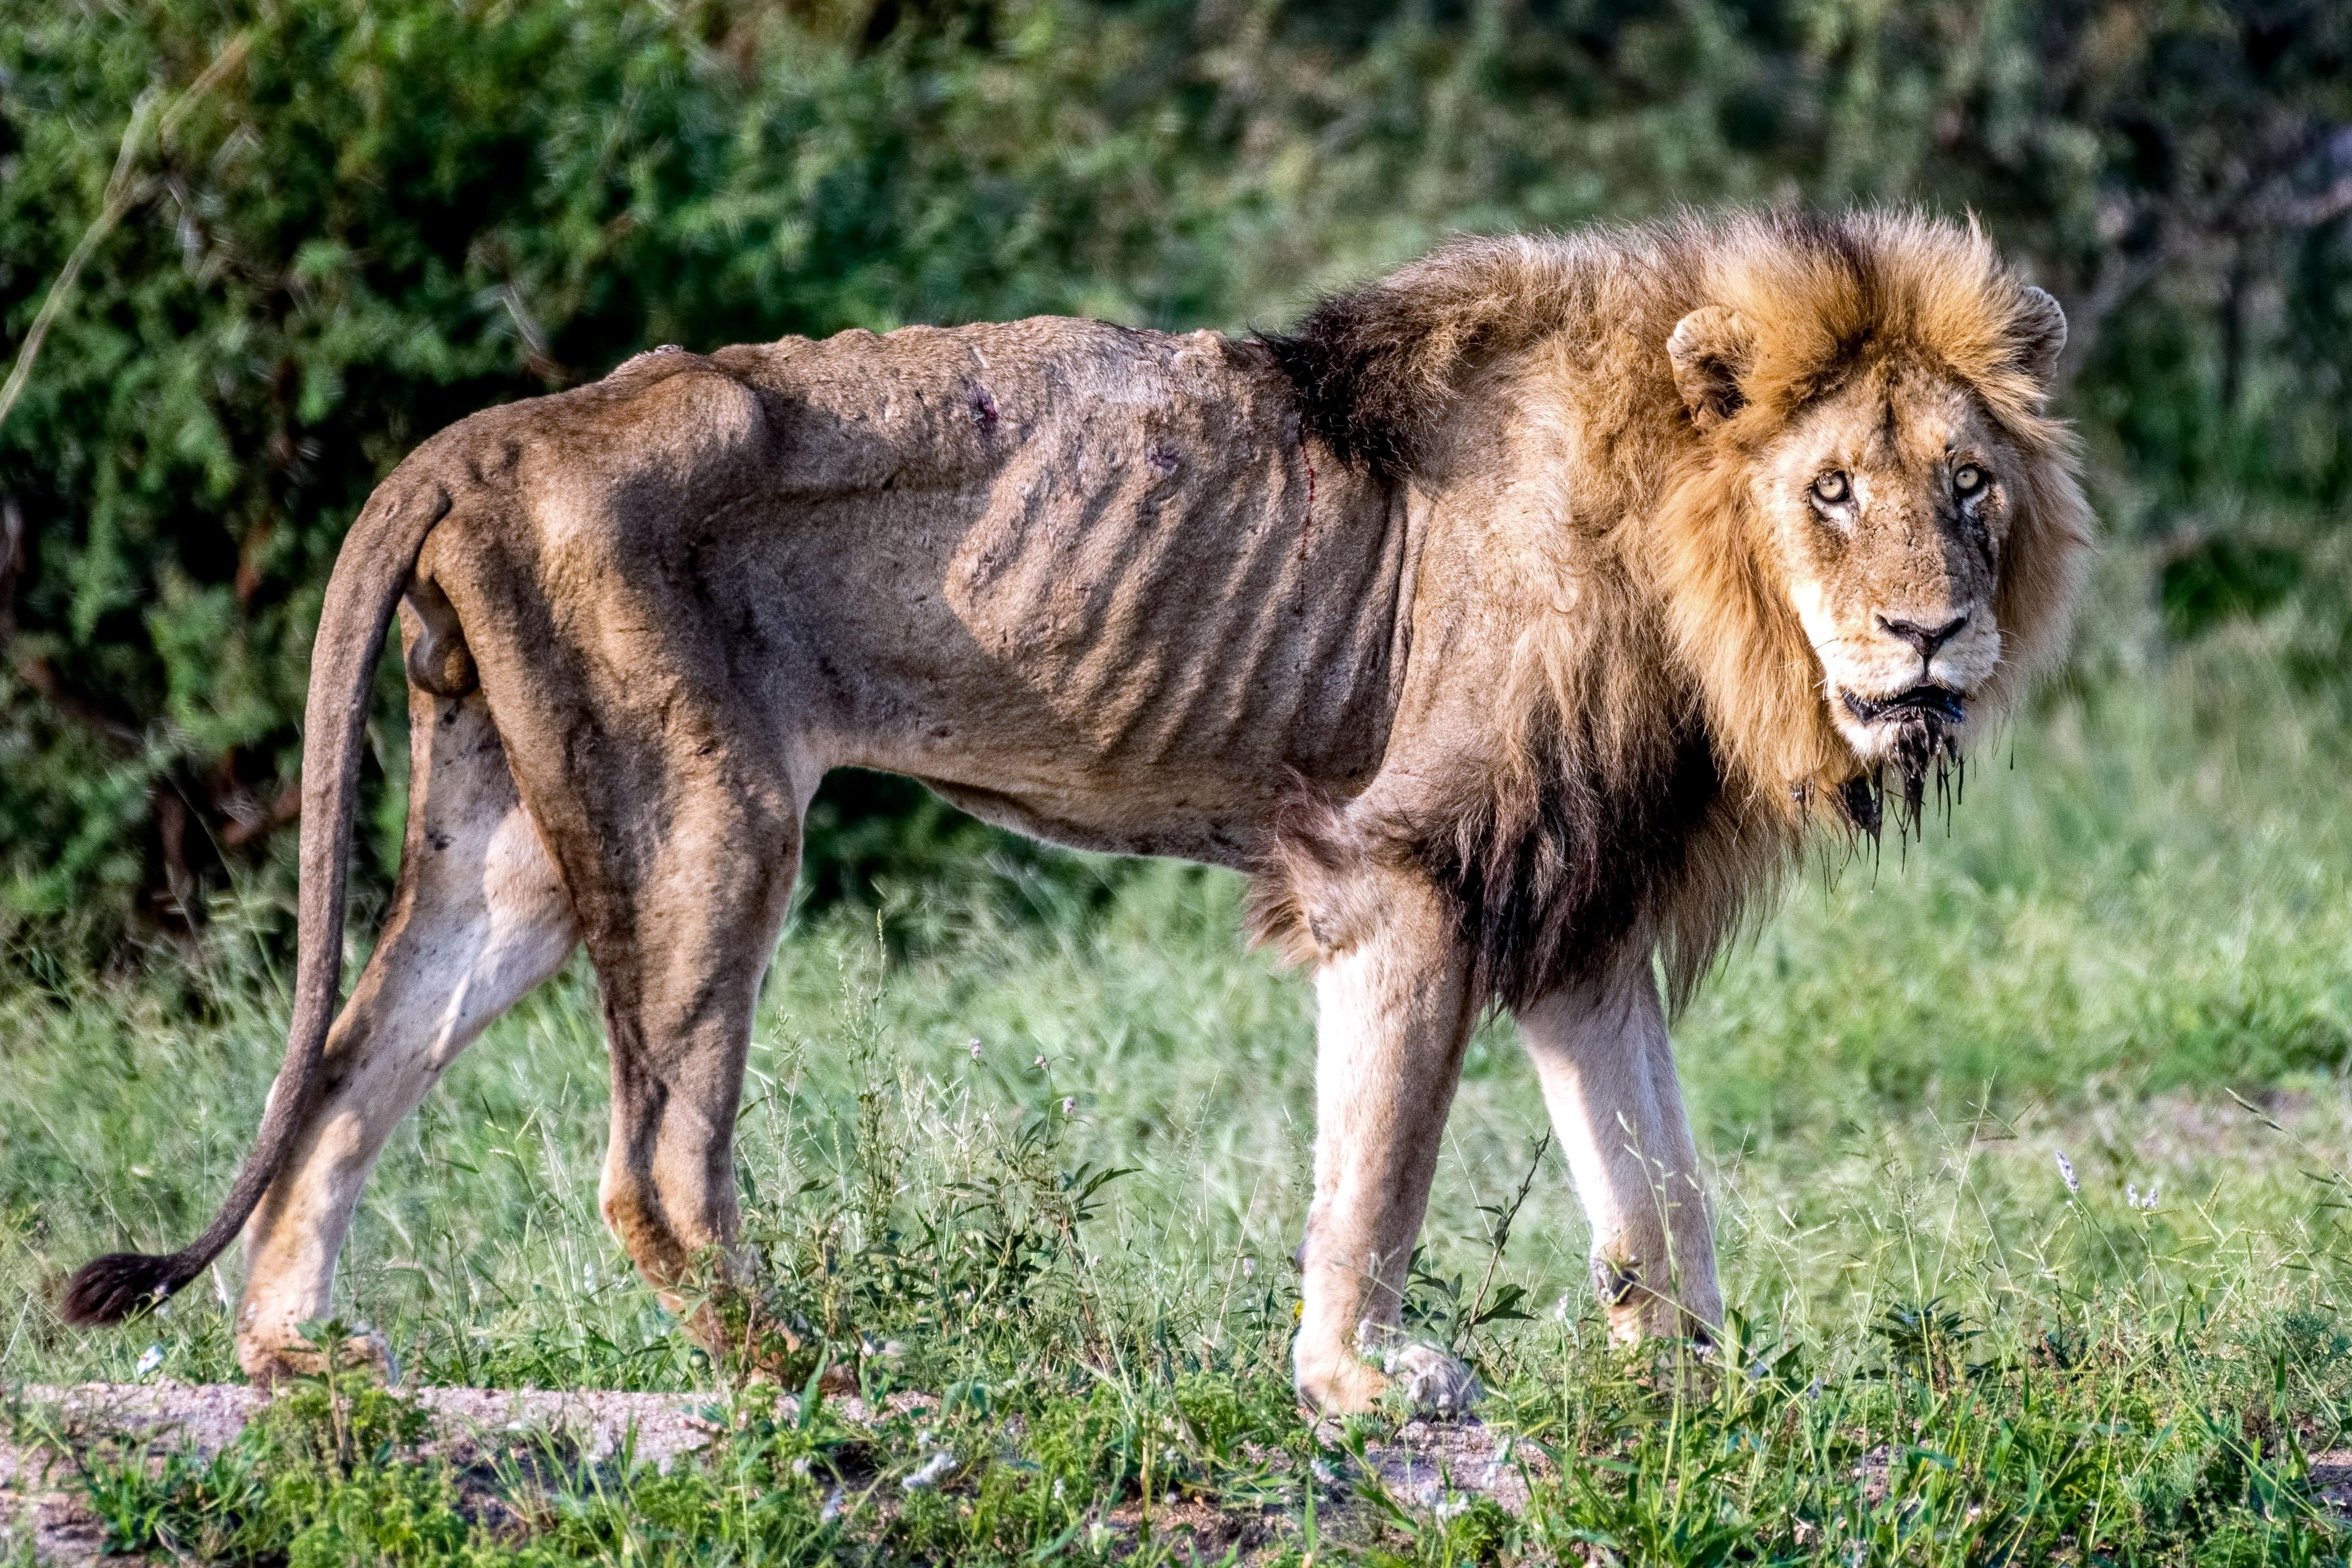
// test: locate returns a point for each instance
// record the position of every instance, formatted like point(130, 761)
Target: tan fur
point(1492, 620)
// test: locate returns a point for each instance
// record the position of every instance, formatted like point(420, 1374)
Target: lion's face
point(1888, 505)
point(1895, 490)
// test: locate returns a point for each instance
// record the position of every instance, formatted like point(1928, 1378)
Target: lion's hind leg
point(678, 830)
point(679, 990)
point(480, 918)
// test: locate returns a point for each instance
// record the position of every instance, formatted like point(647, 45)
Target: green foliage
point(2224, 578)
point(2142, 1445)
point(323, 1477)
point(384, 218)
point(374, 218)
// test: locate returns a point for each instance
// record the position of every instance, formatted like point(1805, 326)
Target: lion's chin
point(1916, 732)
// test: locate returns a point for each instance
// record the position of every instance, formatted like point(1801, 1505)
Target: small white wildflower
point(1249, 1267)
point(2149, 1200)
point(935, 1470)
point(1040, 1062)
point(801, 1465)
point(2131, 1194)
point(2066, 1174)
point(974, 1043)
point(1453, 1505)
point(1069, 1103)
point(149, 1359)
point(832, 1509)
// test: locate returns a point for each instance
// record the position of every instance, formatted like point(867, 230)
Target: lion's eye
point(1968, 479)
point(1832, 489)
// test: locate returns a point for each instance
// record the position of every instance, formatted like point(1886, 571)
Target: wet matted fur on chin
point(1671, 741)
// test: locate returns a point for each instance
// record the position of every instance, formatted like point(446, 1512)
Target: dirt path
point(39, 1497)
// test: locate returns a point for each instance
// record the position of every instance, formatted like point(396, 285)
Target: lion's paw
point(1340, 1384)
point(267, 1365)
point(1432, 1382)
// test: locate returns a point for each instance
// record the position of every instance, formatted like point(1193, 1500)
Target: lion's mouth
point(1933, 704)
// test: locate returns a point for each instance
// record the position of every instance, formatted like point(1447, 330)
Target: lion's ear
point(1711, 349)
point(2041, 329)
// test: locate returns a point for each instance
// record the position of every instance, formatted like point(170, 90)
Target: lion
point(1513, 621)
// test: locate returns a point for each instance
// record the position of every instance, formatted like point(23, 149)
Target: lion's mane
point(1667, 744)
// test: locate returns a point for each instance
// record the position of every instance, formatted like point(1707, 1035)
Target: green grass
point(2141, 912)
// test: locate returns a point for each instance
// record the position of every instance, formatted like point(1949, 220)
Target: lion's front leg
point(1393, 1015)
point(1608, 1075)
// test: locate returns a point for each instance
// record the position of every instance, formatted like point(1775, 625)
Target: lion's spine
point(377, 560)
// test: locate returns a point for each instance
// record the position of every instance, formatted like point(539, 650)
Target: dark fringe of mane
point(1546, 885)
point(1358, 364)
point(1378, 368)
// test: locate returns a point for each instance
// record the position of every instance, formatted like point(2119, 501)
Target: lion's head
point(1874, 490)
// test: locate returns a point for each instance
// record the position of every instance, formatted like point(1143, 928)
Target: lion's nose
point(1926, 639)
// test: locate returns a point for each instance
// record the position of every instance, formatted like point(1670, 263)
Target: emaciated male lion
point(1511, 621)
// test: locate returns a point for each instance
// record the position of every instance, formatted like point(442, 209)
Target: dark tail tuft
point(119, 1285)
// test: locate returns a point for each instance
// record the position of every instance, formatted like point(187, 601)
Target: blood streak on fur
point(1306, 524)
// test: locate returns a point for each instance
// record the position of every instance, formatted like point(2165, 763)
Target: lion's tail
point(377, 560)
